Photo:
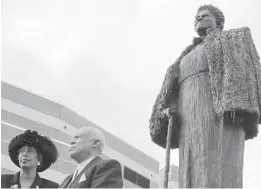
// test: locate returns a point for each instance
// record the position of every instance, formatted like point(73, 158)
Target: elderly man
point(92, 171)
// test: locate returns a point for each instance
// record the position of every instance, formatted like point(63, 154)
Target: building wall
point(22, 110)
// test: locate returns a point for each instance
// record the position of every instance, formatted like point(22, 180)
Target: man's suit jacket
point(99, 173)
point(8, 180)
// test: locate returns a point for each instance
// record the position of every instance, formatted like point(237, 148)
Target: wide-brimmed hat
point(42, 144)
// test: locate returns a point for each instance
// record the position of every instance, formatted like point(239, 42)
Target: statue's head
point(208, 16)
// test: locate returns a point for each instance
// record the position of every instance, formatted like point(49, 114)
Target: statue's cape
point(235, 81)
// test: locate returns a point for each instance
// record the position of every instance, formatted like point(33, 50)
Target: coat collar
point(211, 30)
point(66, 182)
point(89, 165)
point(197, 40)
point(38, 181)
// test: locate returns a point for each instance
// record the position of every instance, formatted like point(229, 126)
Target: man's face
point(204, 20)
point(81, 146)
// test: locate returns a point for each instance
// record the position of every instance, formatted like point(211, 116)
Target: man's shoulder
point(112, 161)
point(108, 162)
point(102, 163)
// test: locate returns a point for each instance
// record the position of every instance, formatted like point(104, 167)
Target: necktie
point(74, 176)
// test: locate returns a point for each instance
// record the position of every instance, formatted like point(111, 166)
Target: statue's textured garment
point(223, 74)
point(210, 150)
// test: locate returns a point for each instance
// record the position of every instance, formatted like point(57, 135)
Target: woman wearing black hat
point(33, 153)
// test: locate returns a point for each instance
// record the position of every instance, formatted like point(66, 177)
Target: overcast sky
point(106, 59)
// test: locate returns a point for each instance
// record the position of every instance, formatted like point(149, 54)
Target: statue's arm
point(159, 120)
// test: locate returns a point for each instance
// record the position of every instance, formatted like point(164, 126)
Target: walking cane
point(168, 143)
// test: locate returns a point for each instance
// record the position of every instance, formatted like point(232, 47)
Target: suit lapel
point(37, 182)
point(89, 165)
point(66, 181)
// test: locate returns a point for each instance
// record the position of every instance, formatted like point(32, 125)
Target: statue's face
point(204, 20)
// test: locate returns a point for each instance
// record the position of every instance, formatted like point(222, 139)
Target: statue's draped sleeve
point(242, 77)
point(256, 65)
point(167, 98)
point(234, 73)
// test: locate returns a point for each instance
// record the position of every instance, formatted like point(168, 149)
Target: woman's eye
point(21, 150)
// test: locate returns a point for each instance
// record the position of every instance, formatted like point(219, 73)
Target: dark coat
point(8, 180)
point(99, 173)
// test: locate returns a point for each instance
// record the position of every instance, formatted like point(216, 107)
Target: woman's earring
point(38, 163)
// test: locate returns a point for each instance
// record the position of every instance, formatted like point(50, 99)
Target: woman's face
point(204, 20)
point(28, 157)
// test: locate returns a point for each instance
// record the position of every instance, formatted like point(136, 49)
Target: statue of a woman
point(214, 91)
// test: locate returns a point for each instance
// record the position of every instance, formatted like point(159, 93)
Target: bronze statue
point(214, 91)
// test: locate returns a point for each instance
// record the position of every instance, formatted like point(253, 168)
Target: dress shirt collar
point(83, 164)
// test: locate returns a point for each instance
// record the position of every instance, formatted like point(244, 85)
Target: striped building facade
point(23, 110)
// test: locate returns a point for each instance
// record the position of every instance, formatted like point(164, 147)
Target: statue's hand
point(234, 118)
point(170, 111)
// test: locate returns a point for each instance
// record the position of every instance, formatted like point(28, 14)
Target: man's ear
point(96, 142)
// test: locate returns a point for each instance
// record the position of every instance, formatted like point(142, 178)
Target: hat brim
point(43, 146)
